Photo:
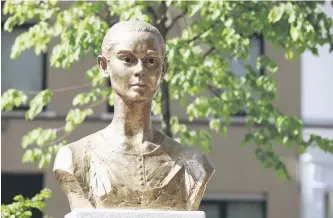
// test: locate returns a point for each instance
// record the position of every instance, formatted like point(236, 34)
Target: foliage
point(199, 61)
point(36, 105)
point(21, 208)
point(12, 98)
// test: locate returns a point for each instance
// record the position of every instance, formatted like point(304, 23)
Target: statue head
point(133, 57)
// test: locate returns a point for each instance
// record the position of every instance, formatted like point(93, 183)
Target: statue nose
point(139, 70)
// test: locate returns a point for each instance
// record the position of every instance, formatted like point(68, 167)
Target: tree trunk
point(165, 98)
point(165, 104)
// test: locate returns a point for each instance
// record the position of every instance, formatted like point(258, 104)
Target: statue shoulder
point(64, 160)
point(68, 155)
point(198, 171)
point(196, 158)
point(197, 163)
point(192, 158)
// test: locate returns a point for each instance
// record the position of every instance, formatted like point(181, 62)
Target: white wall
point(317, 83)
point(316, 166)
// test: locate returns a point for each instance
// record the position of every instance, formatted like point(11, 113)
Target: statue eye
point(151, 62)
point(126, 59)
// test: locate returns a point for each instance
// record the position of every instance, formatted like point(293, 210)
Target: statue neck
point(131, 119)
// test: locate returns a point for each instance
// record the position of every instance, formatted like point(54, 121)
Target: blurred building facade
point(316, 166)
point(239, 187)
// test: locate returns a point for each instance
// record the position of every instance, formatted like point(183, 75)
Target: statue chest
point(136, 181)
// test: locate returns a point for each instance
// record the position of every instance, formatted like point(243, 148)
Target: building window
point(25, 184)
point(238, 66)
point(27, 72)
point(233, 209)
point(257, 49)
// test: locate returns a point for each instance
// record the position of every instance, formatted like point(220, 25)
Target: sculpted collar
point(152, 148)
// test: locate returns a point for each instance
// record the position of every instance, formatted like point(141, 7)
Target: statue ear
point(102, 65)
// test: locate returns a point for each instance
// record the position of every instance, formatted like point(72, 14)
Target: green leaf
point(265, 62)
point(294, 32)
point(215, 124)
point(27, 213)
point(290, 55)
point(276, 13)
point(301, 149)
point(39, 137)
point(248, 138)
point(69, 127)
point(78, 100)
point(42, 162)
point(195, 9)
point(95, 76)
point(26, 140)
point(76, 117)
point(224, 131)
point(27, 156)
point(11, 98)
point(292, 18)
point(42, 99)
point(18, 198)
point(283, 173)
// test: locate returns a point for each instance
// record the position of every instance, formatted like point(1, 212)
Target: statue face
point(134, 65)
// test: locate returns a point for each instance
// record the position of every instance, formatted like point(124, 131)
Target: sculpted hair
point(128, 26)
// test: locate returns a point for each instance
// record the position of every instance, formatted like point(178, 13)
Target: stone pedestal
point(126, 213)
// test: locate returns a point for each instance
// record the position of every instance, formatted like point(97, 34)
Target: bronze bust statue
point(130, 164)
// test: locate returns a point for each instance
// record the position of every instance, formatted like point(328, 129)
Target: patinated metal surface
point(130, 164)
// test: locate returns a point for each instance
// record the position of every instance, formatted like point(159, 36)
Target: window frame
point(44, 67)
point(222, 205)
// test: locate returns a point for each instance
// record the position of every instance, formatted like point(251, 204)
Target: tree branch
point(208, 52)
point(95, 104)
point(177, 18)
point(198, 36)
point(71, 88)
point(61, 89)
point(60, 128)
point(58, 140)
point(213, 90)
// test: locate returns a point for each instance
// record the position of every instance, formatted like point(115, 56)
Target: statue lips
point(138, 86)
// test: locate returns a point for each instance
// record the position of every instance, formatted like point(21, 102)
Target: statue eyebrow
point(124, 51)
point(153, 53)
point(150, 52)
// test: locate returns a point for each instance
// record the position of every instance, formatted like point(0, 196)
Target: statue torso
point(167, 177)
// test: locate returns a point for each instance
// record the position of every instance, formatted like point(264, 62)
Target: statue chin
point(136, 95)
